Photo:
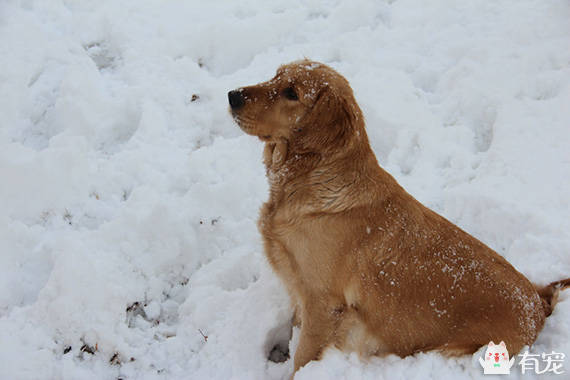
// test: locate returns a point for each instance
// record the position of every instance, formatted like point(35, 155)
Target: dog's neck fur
point(313, 181)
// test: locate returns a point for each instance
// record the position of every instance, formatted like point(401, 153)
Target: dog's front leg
point(318, 331)
point(284, 265)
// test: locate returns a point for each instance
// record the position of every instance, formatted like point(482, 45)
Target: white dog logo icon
point(497, 359)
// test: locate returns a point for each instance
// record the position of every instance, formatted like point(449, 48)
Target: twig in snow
point(205, 336)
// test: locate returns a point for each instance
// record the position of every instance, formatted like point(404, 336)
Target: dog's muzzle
point(236, 99)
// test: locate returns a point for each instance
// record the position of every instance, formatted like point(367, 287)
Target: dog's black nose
point(236, 99)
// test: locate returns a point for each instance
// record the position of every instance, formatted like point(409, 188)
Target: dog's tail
point(549, 294)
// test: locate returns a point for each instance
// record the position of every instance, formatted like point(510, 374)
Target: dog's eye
point(290, 93)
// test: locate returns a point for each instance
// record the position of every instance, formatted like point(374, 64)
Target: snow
point(129, 198)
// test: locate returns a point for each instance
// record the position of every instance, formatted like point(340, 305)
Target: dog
point(368, 267)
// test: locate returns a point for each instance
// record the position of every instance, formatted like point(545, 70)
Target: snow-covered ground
point(129, 198)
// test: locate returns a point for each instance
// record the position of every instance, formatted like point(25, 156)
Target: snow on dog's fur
point(367, 266)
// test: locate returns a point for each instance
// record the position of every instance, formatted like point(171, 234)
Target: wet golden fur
point(369, 268)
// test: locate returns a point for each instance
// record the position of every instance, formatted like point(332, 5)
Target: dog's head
point(307, 104)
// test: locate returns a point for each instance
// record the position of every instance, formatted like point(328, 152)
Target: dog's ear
point(330, 122)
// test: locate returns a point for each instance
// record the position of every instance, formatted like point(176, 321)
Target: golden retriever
point(369, 268)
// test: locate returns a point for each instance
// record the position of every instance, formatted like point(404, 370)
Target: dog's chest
point(307, 244)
